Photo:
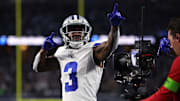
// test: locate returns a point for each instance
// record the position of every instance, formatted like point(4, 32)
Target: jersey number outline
point(72, 76)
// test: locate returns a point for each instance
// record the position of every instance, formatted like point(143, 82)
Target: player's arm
point(42, 62)
point(106, 48)
point(102, 51)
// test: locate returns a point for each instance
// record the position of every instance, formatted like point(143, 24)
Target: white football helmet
point(75, 24)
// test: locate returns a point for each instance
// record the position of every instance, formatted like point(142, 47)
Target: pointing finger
point(52, 35)
point(115, 8)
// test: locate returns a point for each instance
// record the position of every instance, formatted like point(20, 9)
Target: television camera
point(132, 69)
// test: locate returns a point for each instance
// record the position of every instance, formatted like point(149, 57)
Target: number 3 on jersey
point(72, 76)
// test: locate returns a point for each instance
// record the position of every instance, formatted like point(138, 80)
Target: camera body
point(133, 68)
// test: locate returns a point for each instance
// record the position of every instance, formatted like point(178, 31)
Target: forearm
point(40, 60)
point(113, 39)
point(107, 48)
point(162, 94)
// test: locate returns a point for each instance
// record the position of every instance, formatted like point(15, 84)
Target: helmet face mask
point(75, 31)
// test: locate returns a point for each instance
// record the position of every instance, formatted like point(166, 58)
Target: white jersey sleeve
point(80, 76)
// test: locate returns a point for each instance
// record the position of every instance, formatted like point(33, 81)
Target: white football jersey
point(80, 76)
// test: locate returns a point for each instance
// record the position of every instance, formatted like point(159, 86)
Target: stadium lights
point(3, 40)
point(38, 40)
point(29, 40)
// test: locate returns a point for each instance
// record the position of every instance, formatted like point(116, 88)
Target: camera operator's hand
point(49, 43)
point(164, 46)
point(115, 17)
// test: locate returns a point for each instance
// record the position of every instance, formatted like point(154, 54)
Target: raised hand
point(164, 46)
point(115, 17)
point(49, 43)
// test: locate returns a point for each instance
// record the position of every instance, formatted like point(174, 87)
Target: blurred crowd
point(7, 72)
point(34, 85)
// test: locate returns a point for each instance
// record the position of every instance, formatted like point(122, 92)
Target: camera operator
point(170, 91)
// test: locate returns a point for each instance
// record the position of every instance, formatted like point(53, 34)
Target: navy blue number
point(72, 76)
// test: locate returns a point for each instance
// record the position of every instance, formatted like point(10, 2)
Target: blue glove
point(164, 46)
point(115, 17)
point(49, 43)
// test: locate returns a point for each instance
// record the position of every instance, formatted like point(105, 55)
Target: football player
point(80, 61)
